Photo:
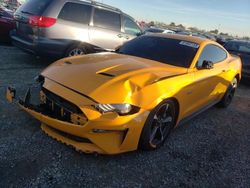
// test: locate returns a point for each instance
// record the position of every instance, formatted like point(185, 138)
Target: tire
point(228, 97)
point(76, 50)
point(158, 126)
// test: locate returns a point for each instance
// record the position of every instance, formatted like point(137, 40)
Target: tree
point(216, 31)
point(172, 24)
point(181, 26)
point(225, 34)
point(152, 23)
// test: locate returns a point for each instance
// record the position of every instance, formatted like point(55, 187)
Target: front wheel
point(229, 95)
point(158, 126)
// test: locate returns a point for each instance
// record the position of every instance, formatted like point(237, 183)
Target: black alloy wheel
point(229, 95)
point(158, 126)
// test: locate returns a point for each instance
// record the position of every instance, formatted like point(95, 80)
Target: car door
point(130, 28)
point(105, 31)
point(208, 84)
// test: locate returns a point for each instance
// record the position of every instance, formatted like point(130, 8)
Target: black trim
point(203, 109)
point(106, 74)
point(70, 136)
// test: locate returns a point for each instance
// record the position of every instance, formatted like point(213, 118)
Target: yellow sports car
point(112, 103)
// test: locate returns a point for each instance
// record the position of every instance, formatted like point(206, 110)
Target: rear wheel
point(76, 50)
point(158, 126)
point(229, 95)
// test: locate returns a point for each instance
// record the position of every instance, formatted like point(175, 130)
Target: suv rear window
point(76, 12)
point(107, 19)
point(34, 7)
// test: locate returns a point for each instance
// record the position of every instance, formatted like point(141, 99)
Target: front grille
point(59, 108)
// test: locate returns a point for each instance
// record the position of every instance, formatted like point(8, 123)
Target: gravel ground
point(211, 150)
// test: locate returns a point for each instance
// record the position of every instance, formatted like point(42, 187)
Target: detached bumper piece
point(10, 94)
point(66, 123)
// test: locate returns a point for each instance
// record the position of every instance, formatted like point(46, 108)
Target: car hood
point(100, 75)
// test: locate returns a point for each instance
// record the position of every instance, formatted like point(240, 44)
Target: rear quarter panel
point(235, 65)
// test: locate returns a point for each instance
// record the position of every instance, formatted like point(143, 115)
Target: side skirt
point(203, 109)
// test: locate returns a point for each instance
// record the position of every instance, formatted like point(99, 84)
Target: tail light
point(41, 21)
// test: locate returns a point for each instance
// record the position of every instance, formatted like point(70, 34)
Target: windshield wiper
point(26, 12)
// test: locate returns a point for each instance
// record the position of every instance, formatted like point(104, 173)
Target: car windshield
point(165, 50)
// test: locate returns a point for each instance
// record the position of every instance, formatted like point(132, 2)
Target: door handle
point(119, 35)
point(127, 37)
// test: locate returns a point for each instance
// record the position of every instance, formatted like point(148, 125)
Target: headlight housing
point(121, 109)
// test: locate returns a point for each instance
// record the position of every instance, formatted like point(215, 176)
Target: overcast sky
point(232, 16)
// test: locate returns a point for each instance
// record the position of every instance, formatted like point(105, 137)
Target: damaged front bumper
point(66, 123)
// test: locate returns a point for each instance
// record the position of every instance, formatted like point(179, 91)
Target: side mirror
point(207, 65)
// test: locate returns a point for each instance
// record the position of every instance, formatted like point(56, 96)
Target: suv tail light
point(41, 21)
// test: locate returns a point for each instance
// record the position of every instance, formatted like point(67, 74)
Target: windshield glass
point(165, 50)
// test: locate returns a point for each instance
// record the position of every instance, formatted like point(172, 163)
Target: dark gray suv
point(61, 28)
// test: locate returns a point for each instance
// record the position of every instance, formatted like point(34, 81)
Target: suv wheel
point(76, 50)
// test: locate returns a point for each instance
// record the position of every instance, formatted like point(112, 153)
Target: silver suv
point(61, 28)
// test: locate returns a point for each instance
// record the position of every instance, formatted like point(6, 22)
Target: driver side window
point(211, 53)
point(130, 27)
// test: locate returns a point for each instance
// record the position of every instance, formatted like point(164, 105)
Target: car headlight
point(121, 109)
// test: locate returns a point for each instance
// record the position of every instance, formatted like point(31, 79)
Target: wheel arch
point(237, 76)
point(89, 47)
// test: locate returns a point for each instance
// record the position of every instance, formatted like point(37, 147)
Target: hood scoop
point(106, 74)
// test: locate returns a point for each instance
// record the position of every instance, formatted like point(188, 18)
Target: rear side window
point(34, 7)
point(107, 19)
point(212, 53)
point(76, 12)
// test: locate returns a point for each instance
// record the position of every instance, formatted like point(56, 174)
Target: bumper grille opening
point(61, 109)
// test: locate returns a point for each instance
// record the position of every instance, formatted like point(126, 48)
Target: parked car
point(158, 30)
point(187, 33)
point(7, 23)
point(221, 40)
point(168, 31)
point(68, 28)
point(153, 30)
point(112, 103)
point(242, 49)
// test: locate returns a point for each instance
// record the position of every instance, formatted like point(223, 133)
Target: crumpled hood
point(102, 74)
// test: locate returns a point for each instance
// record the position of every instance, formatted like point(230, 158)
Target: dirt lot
point(212, 150)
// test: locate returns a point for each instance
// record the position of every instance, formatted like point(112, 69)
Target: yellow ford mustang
point(112, 103)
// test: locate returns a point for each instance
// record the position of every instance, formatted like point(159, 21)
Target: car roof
point(193, 39)
point(101, 5)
